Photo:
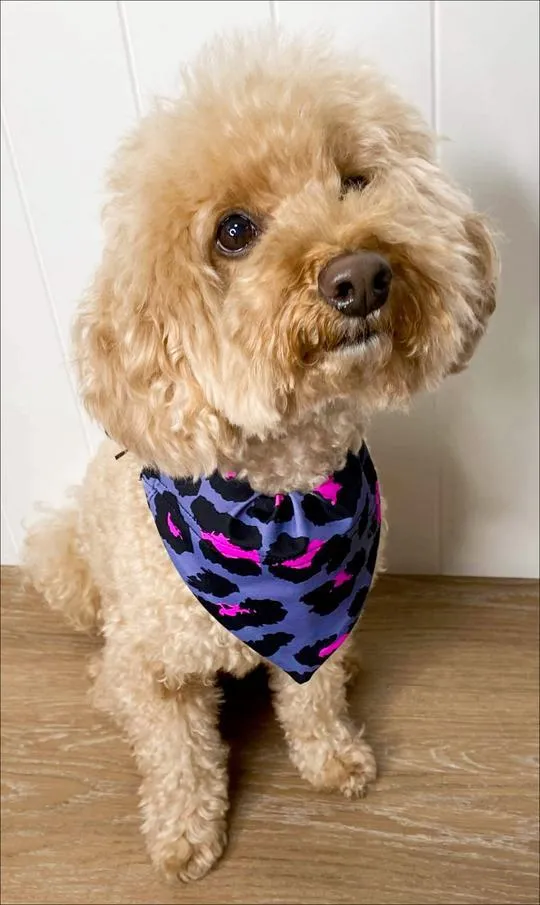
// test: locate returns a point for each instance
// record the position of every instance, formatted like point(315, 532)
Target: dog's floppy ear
point(133, 378)
point(130, 336)
point(482, 299)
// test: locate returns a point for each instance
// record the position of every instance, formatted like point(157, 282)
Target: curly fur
point(195, 362)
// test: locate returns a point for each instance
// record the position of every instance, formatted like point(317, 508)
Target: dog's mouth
point(349, 337)
point(359, 334)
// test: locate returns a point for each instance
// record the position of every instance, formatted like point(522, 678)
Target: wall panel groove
point(130, 58)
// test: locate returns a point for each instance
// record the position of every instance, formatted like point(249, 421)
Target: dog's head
point(279, 238)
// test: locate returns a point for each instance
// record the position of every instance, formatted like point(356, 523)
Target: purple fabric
point(287, 575)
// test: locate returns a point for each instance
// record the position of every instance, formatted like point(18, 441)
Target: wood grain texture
point(449, 691)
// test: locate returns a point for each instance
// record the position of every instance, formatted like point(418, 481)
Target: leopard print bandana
point(288, 574)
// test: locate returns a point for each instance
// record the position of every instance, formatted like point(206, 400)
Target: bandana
point(287, 574)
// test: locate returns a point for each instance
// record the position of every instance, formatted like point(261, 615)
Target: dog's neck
point(304, 452)
point(302, 455)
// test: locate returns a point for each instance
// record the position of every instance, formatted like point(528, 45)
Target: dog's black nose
point(356, 284)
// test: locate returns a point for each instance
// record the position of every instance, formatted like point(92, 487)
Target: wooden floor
point(449, 691)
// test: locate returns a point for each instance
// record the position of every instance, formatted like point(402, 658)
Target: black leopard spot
point(226, 540)
point(296, 559)
point(210, 583)
point(337, 550)
point(374, 526)
point(301, 677)
point(321, 511)
point(363, 520)
point(372, 558)
point(268, 645)
point(356, 562)
point(310, 655)
point(230, 488)
point(287, 547)
point(253, 613)
point(187, 486)
point(369, 471)
point(246, 537)
point(264, 509)
point(171, 524)
point(149, 472)
point(326, 598)
point(356, 606)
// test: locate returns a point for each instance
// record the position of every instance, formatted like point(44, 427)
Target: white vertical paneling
point(461, 474)
point(488, 105)
point(393, 34)
point(396, 36)
point(67, 98)
point(43, 442)
point(163, 35)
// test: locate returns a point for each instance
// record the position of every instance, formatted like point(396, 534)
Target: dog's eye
point(353, 184)
point(235, 233)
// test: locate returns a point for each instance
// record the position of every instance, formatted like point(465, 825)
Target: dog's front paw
point(347, 766)
point(184, 858)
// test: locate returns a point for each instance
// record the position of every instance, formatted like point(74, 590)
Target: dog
point(283, 258)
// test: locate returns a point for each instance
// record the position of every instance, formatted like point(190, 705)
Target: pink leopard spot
point(326, 651)
point(224, 546)
point(341, 578)
point(174, 529)
point(230, 475)
point(234, 609)
point(304, 561)
point(278, 499)
point(329, 489)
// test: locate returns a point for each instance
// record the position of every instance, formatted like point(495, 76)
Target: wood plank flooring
point(449, 692)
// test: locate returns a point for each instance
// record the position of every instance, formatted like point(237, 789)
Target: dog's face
point(278, 239)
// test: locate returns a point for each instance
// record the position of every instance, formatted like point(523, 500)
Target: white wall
point(461, 472)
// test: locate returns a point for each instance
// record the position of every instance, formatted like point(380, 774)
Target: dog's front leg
point(323, 744)
point(173, 729)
